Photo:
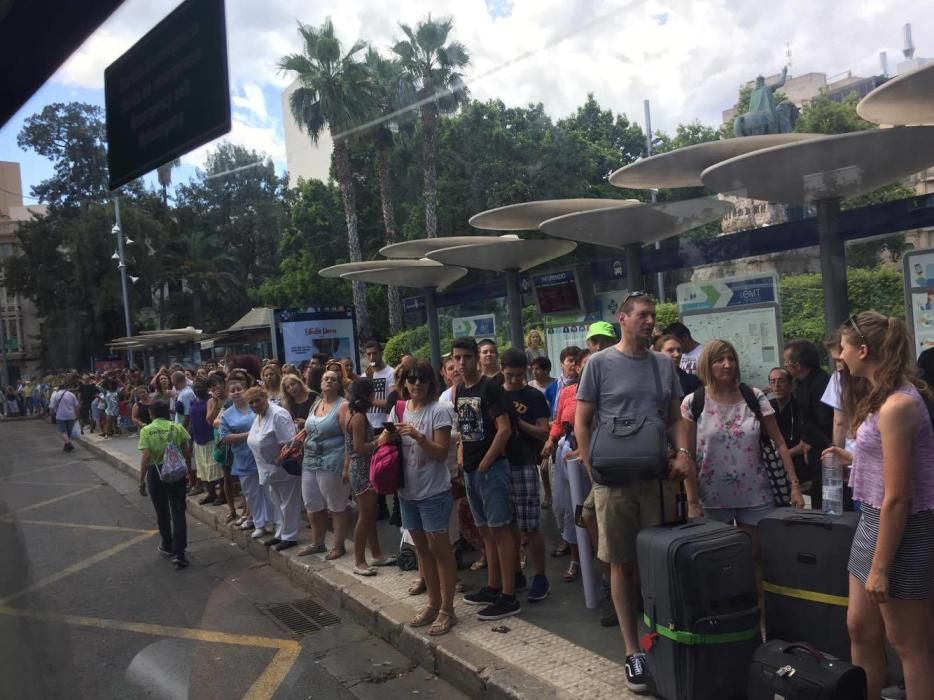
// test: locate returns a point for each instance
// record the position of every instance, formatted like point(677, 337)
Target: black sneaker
point(635, 673)
point(180, 562)
point(69, 447)
point(485, 596)
point(503, 607)
point(521, 583)
point(608, 613)
point(163, 551)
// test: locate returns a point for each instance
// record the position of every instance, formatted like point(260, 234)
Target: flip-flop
point(335, 554)
point(478, 565)
point(368, 571)
point(311, 549)
point(384, 561)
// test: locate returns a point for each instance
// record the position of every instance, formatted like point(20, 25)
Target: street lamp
point(121, 265)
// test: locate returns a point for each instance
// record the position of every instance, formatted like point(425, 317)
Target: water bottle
point(832, 491)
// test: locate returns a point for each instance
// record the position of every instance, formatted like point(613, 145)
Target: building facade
point(20, 324)
point(304, 158)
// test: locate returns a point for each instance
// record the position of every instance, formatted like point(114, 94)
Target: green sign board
point(169, 93)
point(12, 344)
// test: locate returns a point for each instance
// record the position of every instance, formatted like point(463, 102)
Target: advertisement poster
point(919, 297)
point(329, 330)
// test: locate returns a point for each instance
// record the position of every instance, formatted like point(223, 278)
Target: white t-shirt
point(689, 359)
point(267, 436)
point(384, 382)
point(424, 477)
point(833, 397)
point(65, 404)
point(447, 396)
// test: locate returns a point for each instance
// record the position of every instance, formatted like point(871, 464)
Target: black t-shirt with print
point(528, 404)
point(478, 407)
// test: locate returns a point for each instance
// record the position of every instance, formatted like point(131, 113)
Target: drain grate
point(301, 617)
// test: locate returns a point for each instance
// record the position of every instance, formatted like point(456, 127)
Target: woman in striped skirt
point(892, 556)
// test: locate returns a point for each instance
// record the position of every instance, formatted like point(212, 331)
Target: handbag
point(771, 459)
point(801, 672)
point(292, 454)
point(626, 449)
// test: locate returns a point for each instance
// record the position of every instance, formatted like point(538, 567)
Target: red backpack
point(386, 468)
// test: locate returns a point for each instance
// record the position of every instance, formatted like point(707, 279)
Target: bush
point(665, 314)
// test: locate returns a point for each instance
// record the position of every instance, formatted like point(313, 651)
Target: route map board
point(564, 330)
point(743, 310)
point(919, 296)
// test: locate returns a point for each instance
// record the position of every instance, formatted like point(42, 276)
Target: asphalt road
point(88, 608)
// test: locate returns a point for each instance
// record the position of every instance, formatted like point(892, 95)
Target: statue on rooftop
point(764, 116)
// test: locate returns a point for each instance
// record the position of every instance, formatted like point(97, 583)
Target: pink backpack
point(386, 463)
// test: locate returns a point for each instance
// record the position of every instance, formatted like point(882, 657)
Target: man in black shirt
point(87, 391)
point(802, 362)
point(484, 424)
point(530, 430)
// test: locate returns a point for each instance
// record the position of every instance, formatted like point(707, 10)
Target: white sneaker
point(257, 533)
point(270, 528)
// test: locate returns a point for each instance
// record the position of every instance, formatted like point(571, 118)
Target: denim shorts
point(743, 516)
point(432, 514)
point(65, 426)
point(489, 495)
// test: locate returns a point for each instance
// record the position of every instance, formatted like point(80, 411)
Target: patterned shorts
point(523, 489)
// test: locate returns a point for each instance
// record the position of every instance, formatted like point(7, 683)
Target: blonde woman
point(272, 383)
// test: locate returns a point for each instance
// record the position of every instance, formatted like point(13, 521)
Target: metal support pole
point(514, 306)
point(832, 263)
point(434, 336)
point(634, 266)
point(122, 266)
point(659, 276)
point(4, 369)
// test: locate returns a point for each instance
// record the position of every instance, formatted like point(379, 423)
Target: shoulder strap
point(400, 410)
point(658, 382)
point(697, 403)
point(749, 396)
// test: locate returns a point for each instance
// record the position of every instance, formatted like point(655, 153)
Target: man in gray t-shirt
point(619, 381)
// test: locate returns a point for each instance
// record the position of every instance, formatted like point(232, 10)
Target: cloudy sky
point(687, 56)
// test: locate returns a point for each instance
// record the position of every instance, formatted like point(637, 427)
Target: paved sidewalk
point(553, 649)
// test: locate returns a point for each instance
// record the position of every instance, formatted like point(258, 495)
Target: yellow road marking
point(28, 472)
point(197, 635)
point(82, 526)
point(265, 686)
point(77, 566)
point(57, 499)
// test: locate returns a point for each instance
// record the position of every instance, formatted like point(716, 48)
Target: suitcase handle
point(802, 646)
point(807, 520)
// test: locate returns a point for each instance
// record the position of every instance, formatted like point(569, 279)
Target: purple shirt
point(201, 431)
point(868, 482)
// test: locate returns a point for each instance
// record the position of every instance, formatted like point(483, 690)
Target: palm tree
point(201, 260)
point(333, 94)
point(164, 173)
point(389, 91)
point(434, 66)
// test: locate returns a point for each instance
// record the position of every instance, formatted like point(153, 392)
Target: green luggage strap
point(693, 639)
point(802, 594)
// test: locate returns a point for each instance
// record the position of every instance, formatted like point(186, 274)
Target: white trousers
point(287, 508)
point(257, 499)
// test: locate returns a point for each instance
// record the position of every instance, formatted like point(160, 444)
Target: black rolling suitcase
point(701, 610)
point(801, 672)
point(804, 577)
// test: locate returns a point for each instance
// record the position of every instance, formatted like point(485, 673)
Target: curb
point(468, 667)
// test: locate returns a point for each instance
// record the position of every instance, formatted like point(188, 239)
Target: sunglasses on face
point(416, 379)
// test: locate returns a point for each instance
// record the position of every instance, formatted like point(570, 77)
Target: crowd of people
point(488, 443)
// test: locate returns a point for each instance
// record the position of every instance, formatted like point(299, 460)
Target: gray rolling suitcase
point(701, 614)
point(805, 581)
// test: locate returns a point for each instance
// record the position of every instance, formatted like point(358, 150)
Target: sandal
point(335, 554)
point(427, 615)
point(573, 572)
point(562, 550)
point(310, 549)
point(443, 623)
point(418, 587)
point(478, 565)
point(364, 571)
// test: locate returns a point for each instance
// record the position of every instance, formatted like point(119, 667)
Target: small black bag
point(801, 672)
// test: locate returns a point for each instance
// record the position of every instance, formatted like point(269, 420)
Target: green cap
point(601, 328)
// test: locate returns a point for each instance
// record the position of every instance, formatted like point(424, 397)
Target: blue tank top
point(324, 441)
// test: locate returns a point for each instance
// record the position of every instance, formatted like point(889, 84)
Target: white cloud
point(554, 51)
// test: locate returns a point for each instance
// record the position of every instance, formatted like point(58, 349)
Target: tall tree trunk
point(197, 308)
point(345, 181)
point(430, 127)
point(393, 298)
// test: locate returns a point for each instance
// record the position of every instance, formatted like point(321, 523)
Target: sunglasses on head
point(851, 322)
point(634, 295)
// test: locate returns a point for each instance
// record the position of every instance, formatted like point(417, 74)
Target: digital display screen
point(557, 292)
